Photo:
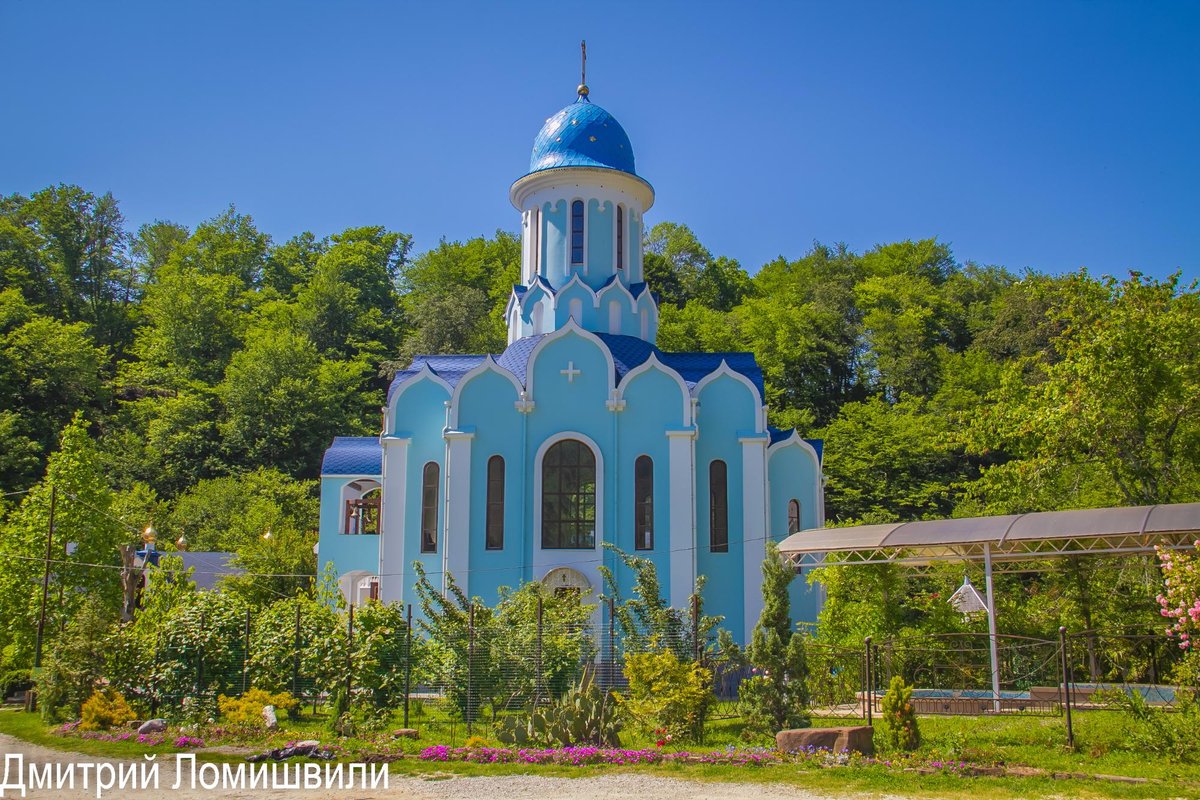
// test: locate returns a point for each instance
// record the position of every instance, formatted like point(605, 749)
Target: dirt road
point(624, 786)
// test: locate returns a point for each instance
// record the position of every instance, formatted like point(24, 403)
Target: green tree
point(776, 697)
point(1112, 416)
point(284, 402)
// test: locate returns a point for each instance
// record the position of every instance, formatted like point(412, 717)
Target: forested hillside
point(190, 379)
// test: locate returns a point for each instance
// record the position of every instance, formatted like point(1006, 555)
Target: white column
point(991, 612)
point(391, 518)
point(457, 544)
point(680, 473)
point(754, 526)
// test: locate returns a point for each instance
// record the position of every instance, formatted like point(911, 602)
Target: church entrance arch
point(565, 581)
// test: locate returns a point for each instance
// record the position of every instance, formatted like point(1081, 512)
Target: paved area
point(618, 786)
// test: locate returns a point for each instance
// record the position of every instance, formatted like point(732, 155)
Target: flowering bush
point(1180, 599)
point(188, 742)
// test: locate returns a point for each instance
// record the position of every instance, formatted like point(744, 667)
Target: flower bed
point(585, 756)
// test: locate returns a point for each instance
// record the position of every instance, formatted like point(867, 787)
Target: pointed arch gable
point(619, 287)
point(425, 374)
point(795, 441)
point(652, 363)
point(725, 371)
point(575, 282)
point(488, 365)
point(568, 329)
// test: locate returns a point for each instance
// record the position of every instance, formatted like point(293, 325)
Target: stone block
point(855, 739)
point(152, 726)
point(406, 733)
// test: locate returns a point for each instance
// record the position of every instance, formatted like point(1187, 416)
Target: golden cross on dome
point(583, 89)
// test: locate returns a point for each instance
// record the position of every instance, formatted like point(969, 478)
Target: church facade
point(521, 466)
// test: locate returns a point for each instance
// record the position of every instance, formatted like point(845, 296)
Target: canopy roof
point(1046, 534)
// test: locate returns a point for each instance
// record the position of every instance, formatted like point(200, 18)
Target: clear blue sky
point(1049, 134)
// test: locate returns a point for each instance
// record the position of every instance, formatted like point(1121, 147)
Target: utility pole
point(41, 627)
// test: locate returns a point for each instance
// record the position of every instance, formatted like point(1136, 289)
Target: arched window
point(535, 240)
point(495, 503)
point(718, 507)
point(569, 496)
point(643, 503)
point(362, 512)
point(793, 516)
point(614, 316)
point(429, 507)
point(620, 237)
point(577, 232)
point(576, 310)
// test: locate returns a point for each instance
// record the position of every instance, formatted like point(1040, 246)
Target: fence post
point(246, 655)
point(200, 659)
point(612, 643)
point(870, 680)
point(407, 662)
point(296, 657)
point(697, 649)
point(470, 664)
point(1066, 683)
point(350, 656)
point(537, 680)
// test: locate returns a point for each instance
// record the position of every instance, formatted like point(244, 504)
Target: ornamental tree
point(1180, 598)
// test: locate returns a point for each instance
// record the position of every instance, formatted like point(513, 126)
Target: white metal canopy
point(1010, 538)
point(1045, 534)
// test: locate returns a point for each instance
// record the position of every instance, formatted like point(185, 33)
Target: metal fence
point(484, 671)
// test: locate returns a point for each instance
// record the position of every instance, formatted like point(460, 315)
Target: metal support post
point(991, 612)
point(869, 680)
point(1066, 683)
point(41, 626)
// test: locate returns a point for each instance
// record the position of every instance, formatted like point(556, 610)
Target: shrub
point(105, 709)
point(666, 694)
point(1169, 734)
point(898, 723)
point(247, 709)
point(74, 668)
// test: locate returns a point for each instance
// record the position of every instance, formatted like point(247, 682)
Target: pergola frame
point(1012, 541)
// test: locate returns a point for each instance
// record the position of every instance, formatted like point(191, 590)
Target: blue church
point(501, 469)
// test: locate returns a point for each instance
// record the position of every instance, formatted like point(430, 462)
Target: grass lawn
point(1027, 741)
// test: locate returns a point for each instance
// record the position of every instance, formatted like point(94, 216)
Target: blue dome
point(582, 135)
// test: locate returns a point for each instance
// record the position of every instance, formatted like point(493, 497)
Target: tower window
point(793, 516)
point(495, 503)
point(569, 496)
point(577, 232)
point(429, 507)
point(620, 237)
point(535, 240)
point(718, 507)
point(643, 503)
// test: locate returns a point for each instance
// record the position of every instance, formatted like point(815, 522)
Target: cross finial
point(583, 89)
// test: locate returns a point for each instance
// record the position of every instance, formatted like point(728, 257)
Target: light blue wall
point(347, 553)
point(793, 473)
point(600, 259)
point(486, 403)
point(576, 406)
point(727, 406)
point(421, 412)
point(653, 404)
point(555, 241)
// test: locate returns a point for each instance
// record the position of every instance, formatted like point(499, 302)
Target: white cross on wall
point(570, 372)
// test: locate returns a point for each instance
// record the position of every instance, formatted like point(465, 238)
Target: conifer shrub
point(897, 729)
point(105, 709)
point(247, 710)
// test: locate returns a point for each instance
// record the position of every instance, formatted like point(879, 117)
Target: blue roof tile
point(353, 455)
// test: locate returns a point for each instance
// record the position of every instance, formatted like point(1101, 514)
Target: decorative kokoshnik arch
point(1006, 540)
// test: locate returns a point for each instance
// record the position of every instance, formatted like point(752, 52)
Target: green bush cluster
point(247, 710)
point(667, 695)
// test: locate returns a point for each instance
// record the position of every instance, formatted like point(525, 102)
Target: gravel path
point(618, 786)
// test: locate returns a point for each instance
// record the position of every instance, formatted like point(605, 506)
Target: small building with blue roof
point(520, 466)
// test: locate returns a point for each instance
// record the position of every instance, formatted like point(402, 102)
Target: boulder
point(312, 744)
point(855, 739)
point(152, 726)
point(406, 733)
point(269, 715)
